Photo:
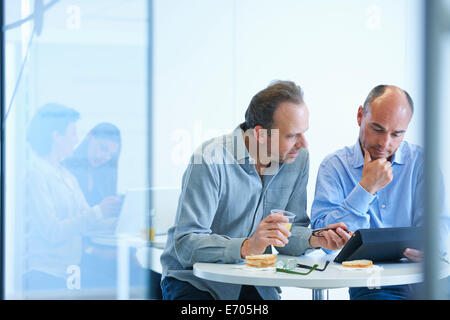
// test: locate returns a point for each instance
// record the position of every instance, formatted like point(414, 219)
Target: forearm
point(213, 248)
point(353, 210)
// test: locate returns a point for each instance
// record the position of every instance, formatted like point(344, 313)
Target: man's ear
point(360, 115)
point(260, 134)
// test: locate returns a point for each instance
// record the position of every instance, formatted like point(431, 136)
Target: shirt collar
point(358, 157)
point(240, 151)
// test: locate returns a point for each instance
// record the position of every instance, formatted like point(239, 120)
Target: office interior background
point(170, 74)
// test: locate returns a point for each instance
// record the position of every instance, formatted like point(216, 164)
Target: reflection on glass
point(63, 193)
point(95, 164)
point(57, 215)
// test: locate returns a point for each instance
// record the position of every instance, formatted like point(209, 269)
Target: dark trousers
point(402, 292)
point(174, 289)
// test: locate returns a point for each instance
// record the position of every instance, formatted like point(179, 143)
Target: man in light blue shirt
point(378, 182)
point(230, 186)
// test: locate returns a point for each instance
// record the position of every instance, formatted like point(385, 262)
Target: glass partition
point(76, 119)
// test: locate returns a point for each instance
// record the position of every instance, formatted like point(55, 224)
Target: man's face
point(291, 120)
point(383, 128)
point(65, 143)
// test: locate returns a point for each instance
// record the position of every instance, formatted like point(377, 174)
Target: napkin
point(253, 269)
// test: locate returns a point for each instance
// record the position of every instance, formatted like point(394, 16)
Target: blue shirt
point(222, 202)
point(340, 198)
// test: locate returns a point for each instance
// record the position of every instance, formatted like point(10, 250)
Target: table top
point(131, 241)
point(335, 276)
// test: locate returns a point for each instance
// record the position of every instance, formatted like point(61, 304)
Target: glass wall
point(76, 157)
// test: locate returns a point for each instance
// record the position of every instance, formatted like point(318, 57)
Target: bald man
point(378, 182)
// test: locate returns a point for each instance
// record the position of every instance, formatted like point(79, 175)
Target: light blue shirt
point(340, 198)
point(222, 202)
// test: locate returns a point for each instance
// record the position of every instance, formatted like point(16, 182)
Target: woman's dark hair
point(263, 105)
point(106, 131)
point(48, 119)
point(104, 176)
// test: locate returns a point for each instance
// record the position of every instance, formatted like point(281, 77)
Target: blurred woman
point(95, 163)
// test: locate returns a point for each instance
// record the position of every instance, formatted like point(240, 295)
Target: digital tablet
point(380, 244)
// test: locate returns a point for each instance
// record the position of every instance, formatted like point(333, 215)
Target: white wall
point(211, 57)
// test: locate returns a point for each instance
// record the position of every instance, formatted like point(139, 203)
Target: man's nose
point(301, 142)
point(384, 140)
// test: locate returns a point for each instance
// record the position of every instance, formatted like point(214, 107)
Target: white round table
point(335, 276)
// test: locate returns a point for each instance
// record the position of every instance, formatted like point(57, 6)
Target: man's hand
point(376, 174)
point(413, 254)
point(111, 206)
point(332, 239)
point(269, 232)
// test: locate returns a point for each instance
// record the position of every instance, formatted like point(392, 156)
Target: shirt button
point(383, 206)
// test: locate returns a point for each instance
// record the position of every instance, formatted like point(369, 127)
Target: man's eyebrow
point(379, 126)
point(297, 133)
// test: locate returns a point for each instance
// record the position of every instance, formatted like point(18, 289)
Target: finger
point(391, 172)
point(276, 242)
point(278, 227)
point(284, 230)
point(413, 254)
point(274, 226)
point(329, 242)
point(367, 157)
point(338, 242)
point(337, 225)
point(345, 236)
point(276, 238)
point(274, 217)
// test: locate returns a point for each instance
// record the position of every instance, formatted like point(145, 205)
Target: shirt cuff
point(359, 199)
point(233, 249)
point(306, 236)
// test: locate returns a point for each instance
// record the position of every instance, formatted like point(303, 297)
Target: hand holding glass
point(287, 214)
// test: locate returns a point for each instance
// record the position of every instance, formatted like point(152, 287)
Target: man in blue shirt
point(230, 186)
point(378, 182)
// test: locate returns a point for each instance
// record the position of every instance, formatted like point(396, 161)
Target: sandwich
point(357, 264)
point(261, 260)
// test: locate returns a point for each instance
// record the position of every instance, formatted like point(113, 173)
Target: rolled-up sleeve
point(332, 205)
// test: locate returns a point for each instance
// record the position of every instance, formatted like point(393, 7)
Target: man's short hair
point(379, 91)
point(263, 105)
point(48, 119)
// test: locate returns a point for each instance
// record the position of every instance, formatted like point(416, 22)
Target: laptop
point(135, 213)
point(134, 218)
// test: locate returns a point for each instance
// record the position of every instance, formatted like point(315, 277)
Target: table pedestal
point(319, 294)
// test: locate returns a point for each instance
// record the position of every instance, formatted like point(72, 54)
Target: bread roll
point(357, 264)
point(261, 260)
